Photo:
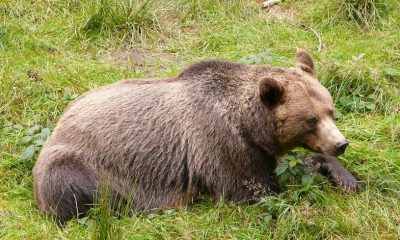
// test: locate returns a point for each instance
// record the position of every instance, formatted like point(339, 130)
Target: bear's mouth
point(336, 149)
point(320, 149)
point(332, 152)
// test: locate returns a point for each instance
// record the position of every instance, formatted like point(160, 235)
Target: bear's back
point(111, 119)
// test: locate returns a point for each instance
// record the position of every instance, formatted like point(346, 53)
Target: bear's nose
point(341, 146)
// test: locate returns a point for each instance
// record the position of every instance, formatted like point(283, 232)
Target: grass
point(133, 18)
point(52, 51)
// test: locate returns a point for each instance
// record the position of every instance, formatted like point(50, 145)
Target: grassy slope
point(56, 40)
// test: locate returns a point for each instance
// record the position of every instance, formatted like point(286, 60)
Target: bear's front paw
point(342, 178)
point(329, 167)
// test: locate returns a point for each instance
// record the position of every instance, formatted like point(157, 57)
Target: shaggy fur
point(208, 131)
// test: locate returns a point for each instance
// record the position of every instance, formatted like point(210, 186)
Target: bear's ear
point(271, 91)
point(304, 61)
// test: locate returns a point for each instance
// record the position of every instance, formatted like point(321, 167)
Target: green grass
point(52, 51)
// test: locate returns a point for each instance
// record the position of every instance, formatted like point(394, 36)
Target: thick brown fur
point(208, 131)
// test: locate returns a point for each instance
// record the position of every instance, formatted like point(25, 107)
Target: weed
point(297, 180)
point(263, 57)
point(35, 137)
point(357, 103)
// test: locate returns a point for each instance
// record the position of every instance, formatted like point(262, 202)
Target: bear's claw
point(343, 179)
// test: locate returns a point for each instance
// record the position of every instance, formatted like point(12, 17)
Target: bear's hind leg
point(64, 185)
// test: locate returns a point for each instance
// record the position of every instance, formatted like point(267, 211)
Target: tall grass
point(210, 9)
point(108, 207)
point(103, 214)
point(134, 18)
point(364, 12)
point(355, 90)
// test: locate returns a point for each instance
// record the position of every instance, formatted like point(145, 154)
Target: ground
point(51, 51)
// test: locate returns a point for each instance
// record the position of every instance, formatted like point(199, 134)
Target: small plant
point(69, 95)
point(262, 57)
point(35, 137)
point(357, 102)
point(291, 168)
point(298, 180)
point(276, 207)
point(392, 73)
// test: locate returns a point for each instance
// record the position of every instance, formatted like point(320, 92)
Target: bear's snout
point(330, 140)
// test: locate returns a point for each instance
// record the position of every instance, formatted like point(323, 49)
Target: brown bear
point(207, 131)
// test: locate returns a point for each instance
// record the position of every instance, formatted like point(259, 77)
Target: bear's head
point(303, 109)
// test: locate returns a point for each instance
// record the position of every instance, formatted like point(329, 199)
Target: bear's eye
point(312, 122)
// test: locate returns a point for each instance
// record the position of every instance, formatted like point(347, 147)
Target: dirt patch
point(277, 13)
point(139, 58)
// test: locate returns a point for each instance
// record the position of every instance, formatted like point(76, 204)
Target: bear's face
point(304, 110)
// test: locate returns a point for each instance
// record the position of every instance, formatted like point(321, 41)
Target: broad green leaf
point(290, 158)
point(285, 176)
point(361, 105)
point(269, 59)
point(26, 139)
point(255, 59)
point(306, 180)
point(281, 168)
point(308, 170)
point(370, 106)
point(345, 101)
point(294, 171)
point(267, 218)
point(293, 163)
point(28, 154)
point(243, 60)
point(33, 129)
point(45, 133)
point(338, 114)
point(263, 54)
point(39, 142)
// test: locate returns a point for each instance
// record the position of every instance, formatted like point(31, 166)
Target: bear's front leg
point(329, 167)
